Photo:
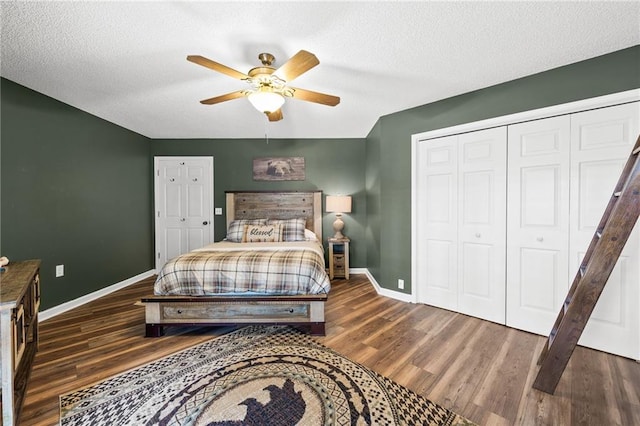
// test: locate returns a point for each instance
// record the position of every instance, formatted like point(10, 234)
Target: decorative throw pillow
point(309, 235)
point(292, 229)
point(262, 234)
point(235, 232)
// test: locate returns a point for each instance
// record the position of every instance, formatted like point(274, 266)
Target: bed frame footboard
point(300, 310)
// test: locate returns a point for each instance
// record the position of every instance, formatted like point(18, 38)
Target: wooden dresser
point(19, 303)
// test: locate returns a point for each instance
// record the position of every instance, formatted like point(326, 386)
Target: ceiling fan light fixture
point(266, 101)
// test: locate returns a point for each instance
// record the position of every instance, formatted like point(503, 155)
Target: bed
point(248, 278)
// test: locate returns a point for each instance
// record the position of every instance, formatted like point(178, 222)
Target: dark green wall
point(335, 166)
point(389, 146)
point(76, 190)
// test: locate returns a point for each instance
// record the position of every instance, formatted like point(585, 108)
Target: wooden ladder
point(606, 245)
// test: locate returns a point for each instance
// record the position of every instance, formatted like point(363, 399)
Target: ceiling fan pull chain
point(266, 136)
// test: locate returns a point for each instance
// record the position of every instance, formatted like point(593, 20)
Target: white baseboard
point(57, 310)
point(403, 297)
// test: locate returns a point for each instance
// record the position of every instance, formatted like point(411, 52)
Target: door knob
point(205, 223)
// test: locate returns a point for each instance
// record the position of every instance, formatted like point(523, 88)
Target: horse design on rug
point(286, 407)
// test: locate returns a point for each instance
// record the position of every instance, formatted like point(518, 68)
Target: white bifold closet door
point(537, 222)
point(437, 212)
point(461, 209)
point(601, 141)
point(562, 172)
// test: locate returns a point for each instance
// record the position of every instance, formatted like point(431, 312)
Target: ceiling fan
point(269, 86)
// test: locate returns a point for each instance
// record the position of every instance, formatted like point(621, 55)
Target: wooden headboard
point(276, 205)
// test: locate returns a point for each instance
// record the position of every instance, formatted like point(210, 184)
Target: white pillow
point(309, 235)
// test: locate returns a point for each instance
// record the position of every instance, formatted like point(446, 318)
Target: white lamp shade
point(266, 101)
point(338, 204)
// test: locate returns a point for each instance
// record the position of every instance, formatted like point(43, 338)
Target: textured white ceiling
point(126, 61)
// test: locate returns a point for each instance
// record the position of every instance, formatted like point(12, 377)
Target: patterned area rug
point(257, 375)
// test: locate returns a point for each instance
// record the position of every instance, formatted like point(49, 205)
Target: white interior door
point(183, 205)
point(601, 141)
point(437, 246)
point(482, 186)
point(537, 220)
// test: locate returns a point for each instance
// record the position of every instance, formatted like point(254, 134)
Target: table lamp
point(338, 204)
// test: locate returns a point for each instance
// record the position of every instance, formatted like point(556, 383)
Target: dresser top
point(14, 281)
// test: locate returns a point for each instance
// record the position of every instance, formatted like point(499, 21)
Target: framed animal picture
point(278, 168)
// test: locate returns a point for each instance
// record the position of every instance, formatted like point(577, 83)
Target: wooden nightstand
point(339, 258)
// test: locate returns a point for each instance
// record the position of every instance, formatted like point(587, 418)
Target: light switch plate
point(59, 271)
point(218, 211)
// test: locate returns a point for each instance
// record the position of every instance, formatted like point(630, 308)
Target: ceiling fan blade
point(227, 97)
point(317, 97)
point(298, 64)
point(208, 63)
point(275, 115)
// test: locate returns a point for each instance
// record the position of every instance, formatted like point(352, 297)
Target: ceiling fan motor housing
point(267, 59)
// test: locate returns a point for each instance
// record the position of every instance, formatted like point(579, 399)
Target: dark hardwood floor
point(479, 369)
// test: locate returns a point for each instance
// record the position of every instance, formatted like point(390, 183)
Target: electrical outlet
point(218, 211)
point(400, 284)
point(59, 271)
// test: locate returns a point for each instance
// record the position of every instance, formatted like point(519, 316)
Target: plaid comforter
point(262, 268)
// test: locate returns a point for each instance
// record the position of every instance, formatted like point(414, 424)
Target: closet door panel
point(596, 179)
point(540, 188)
point(539, 278)
point(482, 214)
point(476, 274)
point(601, 141)
point(537, 222)
point(437, 223)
